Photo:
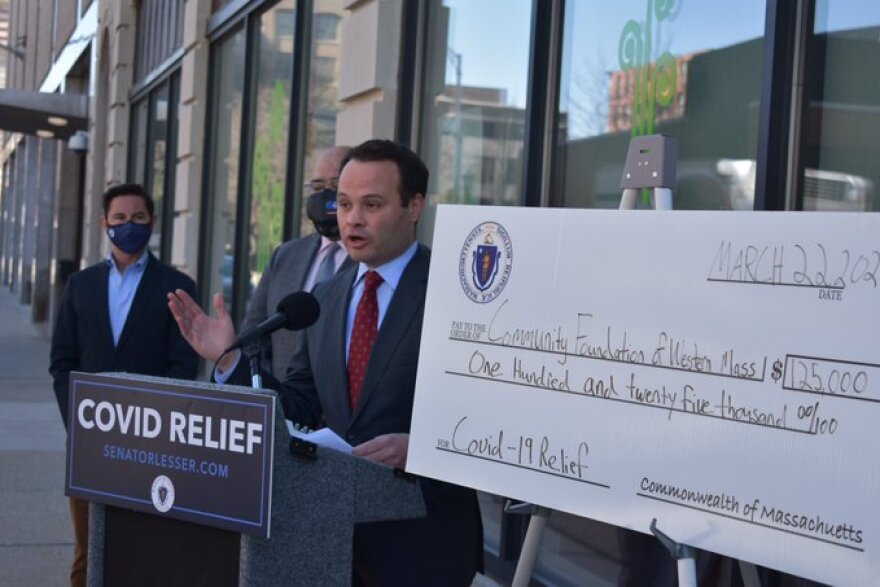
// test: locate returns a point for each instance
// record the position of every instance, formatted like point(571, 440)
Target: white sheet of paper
point(323, 437)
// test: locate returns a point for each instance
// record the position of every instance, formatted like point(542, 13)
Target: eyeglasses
point(319, 185)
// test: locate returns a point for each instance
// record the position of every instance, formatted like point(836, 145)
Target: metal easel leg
point(529, 554)
point(662, 199)
point(628, 199)
point(687, 572)
point(686, 556)
point(749, 574)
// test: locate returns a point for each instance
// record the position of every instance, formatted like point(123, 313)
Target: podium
point(317, 496)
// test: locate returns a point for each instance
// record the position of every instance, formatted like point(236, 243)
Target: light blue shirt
point(391, 273)
point(121, 288)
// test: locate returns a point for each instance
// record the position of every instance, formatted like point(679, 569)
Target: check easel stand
point(318, 495)
point(650, 164)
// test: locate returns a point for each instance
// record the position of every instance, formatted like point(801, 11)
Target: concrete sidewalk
point(36, 541)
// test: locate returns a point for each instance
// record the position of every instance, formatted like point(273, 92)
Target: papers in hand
point(324, 437)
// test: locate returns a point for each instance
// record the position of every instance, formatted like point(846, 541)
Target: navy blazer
point(150, 342)
point(316, 386)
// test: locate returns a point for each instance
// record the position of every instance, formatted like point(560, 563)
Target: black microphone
point(296, 311)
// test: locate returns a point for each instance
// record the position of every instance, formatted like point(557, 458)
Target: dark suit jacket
point(150, 342)
point(444, 548)
point(316, 386)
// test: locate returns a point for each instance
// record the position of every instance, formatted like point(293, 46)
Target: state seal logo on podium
point(162, 493)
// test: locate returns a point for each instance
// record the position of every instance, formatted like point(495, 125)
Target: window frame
point(171, 80)
point(778, 142)
point(777, 145)
point(235, 17)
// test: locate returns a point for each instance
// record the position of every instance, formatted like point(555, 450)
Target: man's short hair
point(128, 189)
point(412, 170)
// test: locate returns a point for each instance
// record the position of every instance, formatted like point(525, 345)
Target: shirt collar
point(326, 242)
point(140, 263)
point(391, 271)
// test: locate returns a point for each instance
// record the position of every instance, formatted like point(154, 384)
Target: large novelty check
point(717, 371)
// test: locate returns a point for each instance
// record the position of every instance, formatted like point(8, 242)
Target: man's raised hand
point(209, 337)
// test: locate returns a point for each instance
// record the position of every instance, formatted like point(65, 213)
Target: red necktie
point(363, 335)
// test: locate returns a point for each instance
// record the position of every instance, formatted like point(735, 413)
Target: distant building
point(7, 54)
point(481, 146)
point(622, 85)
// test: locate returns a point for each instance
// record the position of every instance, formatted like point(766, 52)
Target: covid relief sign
point(184, 450)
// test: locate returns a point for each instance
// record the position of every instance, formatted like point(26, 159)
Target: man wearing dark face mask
point(114, 317)
point(302, 263)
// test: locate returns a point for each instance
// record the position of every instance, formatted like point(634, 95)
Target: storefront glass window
point(225, 148)
point(161, 108)
point(691, 70)
point(274, 77)
point(839, 168)
point(153, 129)
point(137, 165)
point(474, 101)
point(159, 33)
point(323, 89)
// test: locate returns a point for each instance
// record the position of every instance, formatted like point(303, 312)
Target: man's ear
point(416, 205)
point(104, 223)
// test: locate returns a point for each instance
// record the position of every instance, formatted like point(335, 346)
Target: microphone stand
point(253, 350)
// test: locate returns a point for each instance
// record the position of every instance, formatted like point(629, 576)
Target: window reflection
point(686, 69)
point(842, 113)
point(160, 108)
point(691, 70)
point(474, 103)
point(323, 88)
point(228, 91)
point(153, 128)
point(326, 26)
point(472, 130)
point(139, 142)
point(275, 72)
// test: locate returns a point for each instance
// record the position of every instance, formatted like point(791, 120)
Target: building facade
point(219, 107)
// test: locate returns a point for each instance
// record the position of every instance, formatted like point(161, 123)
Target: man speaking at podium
point(355, 369)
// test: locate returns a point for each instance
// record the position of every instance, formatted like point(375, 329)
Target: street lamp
point(455, 58)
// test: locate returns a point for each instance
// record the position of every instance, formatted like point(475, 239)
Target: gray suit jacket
point(286, 273)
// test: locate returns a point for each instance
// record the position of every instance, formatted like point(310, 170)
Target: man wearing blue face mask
point(301, 263)
point(114, 317)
